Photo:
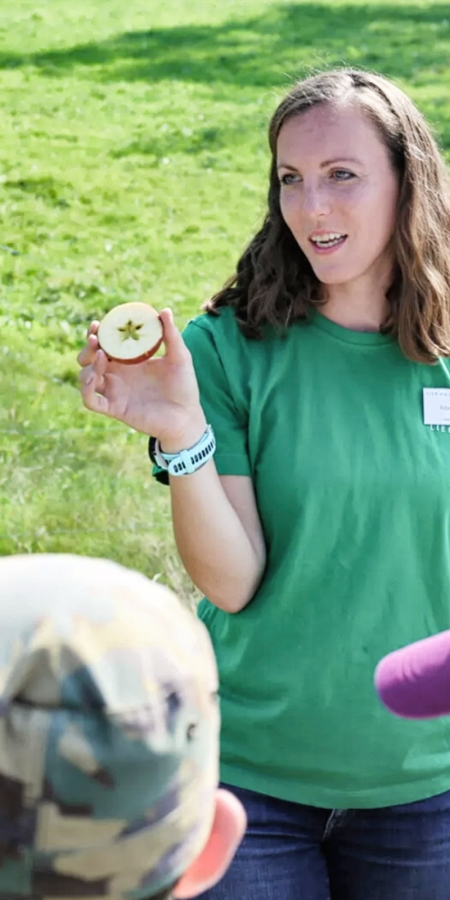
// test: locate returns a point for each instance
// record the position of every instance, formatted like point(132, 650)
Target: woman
point(320, 529)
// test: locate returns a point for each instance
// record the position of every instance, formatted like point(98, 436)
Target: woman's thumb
point(176, 349)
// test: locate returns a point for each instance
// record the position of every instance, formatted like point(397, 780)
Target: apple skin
point(138, 359)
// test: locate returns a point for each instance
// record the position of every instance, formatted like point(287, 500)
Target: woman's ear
point(226, 834)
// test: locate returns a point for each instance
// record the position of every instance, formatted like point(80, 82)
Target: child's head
point(109, 732)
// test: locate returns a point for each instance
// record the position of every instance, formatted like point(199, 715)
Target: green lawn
point(133, 165)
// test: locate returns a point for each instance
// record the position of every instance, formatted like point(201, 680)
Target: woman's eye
point(342, 175)
point(289, 178)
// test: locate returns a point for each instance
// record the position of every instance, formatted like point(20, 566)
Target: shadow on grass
point(399, 39)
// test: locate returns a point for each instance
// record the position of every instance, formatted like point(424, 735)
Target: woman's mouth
point(326, 242)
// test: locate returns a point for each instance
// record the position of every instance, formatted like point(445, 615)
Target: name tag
point(436, 406)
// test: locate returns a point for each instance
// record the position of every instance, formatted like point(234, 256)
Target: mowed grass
point(133, 164)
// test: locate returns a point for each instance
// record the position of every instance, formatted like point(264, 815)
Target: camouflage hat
point(108, 731)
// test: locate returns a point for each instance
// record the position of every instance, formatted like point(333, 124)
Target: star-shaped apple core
point(130, 330)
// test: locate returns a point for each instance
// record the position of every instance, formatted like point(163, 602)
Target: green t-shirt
point(353, 492)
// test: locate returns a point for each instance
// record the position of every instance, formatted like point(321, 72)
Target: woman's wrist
point(189, 435)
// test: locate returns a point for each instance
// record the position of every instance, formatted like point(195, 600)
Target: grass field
point(133, 165)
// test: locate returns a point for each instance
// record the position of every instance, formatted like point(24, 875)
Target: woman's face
point(338, 194)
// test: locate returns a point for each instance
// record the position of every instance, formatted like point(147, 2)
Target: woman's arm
point(218, 534)
point(216, 522)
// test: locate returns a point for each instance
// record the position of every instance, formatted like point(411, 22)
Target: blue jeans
point(296, 852)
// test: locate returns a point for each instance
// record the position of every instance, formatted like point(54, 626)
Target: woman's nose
point(316, 201)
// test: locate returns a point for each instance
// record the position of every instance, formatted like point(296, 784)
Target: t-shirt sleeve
point(223, 407)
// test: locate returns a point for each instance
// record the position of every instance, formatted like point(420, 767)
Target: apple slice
point(130, 333)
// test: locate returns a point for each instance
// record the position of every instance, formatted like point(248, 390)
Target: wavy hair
point(274, 283)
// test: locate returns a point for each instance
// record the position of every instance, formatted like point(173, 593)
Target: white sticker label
point(436, 406)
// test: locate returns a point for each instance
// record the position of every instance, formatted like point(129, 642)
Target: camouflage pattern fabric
point(108, 731)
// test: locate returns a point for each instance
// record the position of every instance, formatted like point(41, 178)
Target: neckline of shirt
point(363, 338)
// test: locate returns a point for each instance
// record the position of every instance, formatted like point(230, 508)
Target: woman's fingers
point(86, 356)
point(109, 388)
point(95, 370)
point(93, 400)
point(101, 362)
point(93, 384)
point(176, 350)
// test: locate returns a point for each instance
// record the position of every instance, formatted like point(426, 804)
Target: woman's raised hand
point(158, 397)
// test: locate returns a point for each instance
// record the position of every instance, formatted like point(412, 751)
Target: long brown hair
point(274, 283)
